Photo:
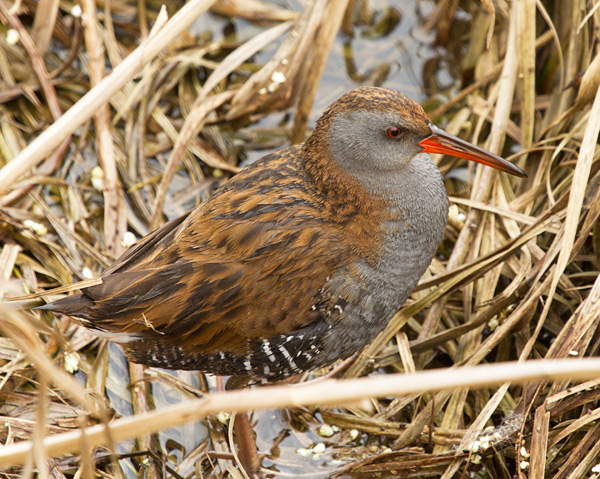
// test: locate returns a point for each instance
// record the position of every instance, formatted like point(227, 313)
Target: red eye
point(393, 132)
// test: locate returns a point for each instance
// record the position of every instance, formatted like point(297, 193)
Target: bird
point(299, 260)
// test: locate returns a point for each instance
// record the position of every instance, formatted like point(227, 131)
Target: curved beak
point(447, 144)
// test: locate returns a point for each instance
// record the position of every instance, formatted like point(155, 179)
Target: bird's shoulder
point(271, 196)
point(249, 261)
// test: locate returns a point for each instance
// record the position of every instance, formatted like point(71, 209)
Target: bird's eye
point(393, 132)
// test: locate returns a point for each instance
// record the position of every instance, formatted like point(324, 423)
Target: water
point(394, 60)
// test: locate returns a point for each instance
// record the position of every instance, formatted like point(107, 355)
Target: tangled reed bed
point(516, 278)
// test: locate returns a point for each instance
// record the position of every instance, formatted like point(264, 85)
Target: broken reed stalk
point(324, 393)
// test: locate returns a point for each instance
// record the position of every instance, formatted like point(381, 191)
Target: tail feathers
point(76, 305)
point(79, 307)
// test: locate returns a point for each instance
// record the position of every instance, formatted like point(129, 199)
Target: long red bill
point(447, 144)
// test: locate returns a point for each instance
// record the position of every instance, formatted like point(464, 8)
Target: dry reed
point(516, 278)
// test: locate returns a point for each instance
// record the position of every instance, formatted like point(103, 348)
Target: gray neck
point(417, 215)
point(418, 212)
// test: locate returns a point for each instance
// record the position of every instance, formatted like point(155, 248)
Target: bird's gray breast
point(417, 216)
point(412, 234)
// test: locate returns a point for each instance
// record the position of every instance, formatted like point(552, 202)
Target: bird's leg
point(246, 443)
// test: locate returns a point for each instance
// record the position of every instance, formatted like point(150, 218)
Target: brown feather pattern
point(254, 279)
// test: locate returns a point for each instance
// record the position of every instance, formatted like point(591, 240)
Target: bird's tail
point(74, 305)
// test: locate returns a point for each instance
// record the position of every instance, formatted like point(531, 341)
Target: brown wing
point(247, 263)
point(158, 238)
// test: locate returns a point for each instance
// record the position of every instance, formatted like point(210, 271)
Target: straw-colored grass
point(516, 279)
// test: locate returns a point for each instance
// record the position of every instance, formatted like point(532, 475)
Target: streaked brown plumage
point(299, 260)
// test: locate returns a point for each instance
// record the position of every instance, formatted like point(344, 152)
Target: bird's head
point(376, 130)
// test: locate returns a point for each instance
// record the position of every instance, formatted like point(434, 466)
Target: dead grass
point(516, 278)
